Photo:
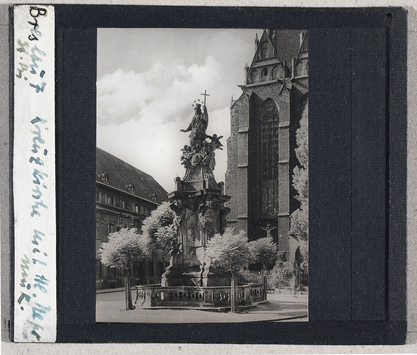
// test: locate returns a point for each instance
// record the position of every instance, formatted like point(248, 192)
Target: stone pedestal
point(198, 202)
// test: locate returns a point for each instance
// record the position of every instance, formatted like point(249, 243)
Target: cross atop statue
point(205, 94)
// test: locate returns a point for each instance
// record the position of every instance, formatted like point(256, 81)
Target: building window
point(124, 204)
point(269, 158)
point(110, 200)
point(264, 74)
point(142, 210)
point(98, 196)
point(110, 228)
point(137, 209)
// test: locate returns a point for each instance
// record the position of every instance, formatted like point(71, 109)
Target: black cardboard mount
point(357, 145)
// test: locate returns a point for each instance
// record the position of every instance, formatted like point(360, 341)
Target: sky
point(147, 81)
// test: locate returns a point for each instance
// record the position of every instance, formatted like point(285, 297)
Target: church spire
point(256, 43)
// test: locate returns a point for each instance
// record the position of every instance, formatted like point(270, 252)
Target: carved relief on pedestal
point(192, 230)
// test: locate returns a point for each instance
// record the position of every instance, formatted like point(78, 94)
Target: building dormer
point(104, 177)
point(131, 188)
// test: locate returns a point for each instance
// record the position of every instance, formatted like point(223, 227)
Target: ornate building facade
point(264, 120)
point(125, 196)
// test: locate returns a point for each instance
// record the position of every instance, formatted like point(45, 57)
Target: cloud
point(155, 148)
point(144, 97)
point(163, 93)
point(161, 85)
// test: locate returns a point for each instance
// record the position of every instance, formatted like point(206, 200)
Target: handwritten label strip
point(34, 174)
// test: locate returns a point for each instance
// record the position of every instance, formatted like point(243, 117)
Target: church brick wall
point(242, 193)
point(238, 112)
point(243, 178)
point(283, 228)
point(284, 188)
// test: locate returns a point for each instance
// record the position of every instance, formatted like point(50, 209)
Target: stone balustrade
point(150, 296)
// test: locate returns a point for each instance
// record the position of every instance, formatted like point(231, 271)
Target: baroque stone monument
point(198, 202)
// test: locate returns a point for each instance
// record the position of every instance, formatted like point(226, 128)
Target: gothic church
point(264, 120)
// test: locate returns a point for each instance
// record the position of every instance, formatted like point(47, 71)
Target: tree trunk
point(155, 267)
point(234, 302)
point(128, 293)
point(146, 267)
point(264, 272)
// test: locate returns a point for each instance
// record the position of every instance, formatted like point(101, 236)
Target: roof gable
point(265, 48)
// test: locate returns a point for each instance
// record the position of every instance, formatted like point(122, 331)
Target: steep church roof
point(283, 45)
point(287, 44)
point(120, 175)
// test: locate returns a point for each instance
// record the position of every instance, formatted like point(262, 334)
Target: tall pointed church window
point(269, 158)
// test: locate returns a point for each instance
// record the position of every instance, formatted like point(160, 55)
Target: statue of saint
point(213, 145)
point(179, 210)
point(198, 126)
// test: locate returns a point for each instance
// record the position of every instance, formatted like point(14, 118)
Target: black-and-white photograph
point(202, 175)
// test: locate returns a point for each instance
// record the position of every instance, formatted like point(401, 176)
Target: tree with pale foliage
point(299, 218)
point(264, 251)
point(280, 275)
point(159, 228)
point(123, 248)
point(167, 239)
point(229, 252)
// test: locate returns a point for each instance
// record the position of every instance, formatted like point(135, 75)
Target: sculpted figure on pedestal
point(200, 152)
point(179, 210)
point(198, 127)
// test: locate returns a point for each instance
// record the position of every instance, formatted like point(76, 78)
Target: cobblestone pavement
point(110, 307)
